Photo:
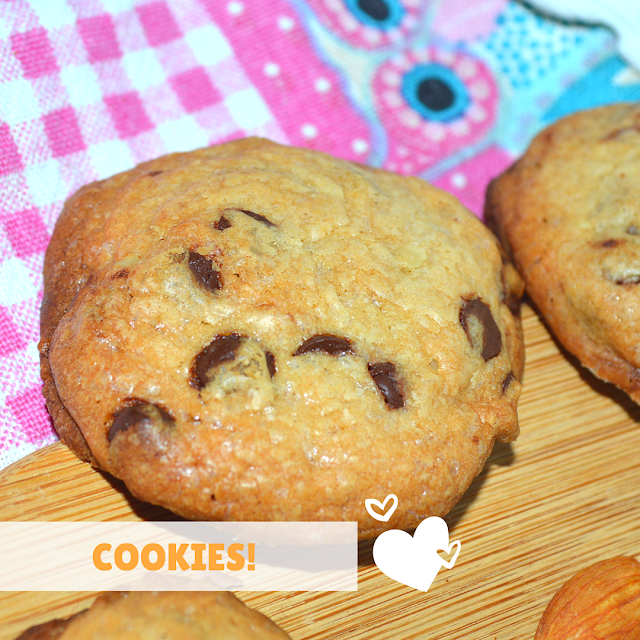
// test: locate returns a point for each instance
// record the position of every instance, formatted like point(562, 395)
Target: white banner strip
point(178, 556)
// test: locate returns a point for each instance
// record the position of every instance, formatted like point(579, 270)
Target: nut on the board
point(601, 601)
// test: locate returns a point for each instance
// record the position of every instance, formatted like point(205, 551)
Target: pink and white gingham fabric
point(89, 88)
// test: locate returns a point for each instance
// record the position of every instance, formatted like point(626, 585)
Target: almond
point(601, 602)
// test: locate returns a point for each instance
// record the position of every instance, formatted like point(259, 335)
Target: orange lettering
point(236, 556)
point(97, 557)
point(198, 547)
point(176, 556)
point(133, 560)
point(160, 556)
point(215, 554)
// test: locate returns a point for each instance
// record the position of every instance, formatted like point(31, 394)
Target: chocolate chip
point(152, 174)
point(512, 301)
point(384, 375)
point(510, 377)
point(333, 345)
point(631, 279)
point(491, 336)
point(136, 413)
point(609, 244)
point(258, 217)
point(204, 272)
point(221, 349)
point(222, 224)
point(123, 273)
point(271, 363)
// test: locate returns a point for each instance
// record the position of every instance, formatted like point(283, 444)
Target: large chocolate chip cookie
point(258, 332)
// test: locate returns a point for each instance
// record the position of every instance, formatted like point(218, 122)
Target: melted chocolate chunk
point(137, 413)
point(204, 272)
point(222, 224)
point(632, 279)
point(223, 348)
point(333, 345)
point(491, 336)
point(610, 244)
point(271, 363)
point(509, 378)
point(258, 217)
point(384, 375)
point(513, 303)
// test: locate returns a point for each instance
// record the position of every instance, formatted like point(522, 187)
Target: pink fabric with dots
point(339, 19)
point(301, 91)
point(89, 88)
point(468, 180)
point(418, 143)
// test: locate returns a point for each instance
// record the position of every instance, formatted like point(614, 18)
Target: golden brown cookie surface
point(568, 211)
point(257, 332)
point(171, 615)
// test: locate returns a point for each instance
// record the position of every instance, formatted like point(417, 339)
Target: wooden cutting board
point(565, 495)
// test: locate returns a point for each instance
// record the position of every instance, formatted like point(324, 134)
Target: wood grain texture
point(565, 495)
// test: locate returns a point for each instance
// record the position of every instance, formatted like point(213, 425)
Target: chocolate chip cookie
point(258, 332)
point(569, 213)
point(142, 615)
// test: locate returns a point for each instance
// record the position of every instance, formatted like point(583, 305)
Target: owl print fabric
point(448, 90)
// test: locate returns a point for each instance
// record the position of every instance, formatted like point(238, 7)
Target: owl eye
point(435, 92)
point(382, 14)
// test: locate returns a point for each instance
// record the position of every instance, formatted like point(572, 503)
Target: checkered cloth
point(92, 87)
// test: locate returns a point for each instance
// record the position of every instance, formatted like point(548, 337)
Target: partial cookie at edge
point(567, 213)
point(139, 615)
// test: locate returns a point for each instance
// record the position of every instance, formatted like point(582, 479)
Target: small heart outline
point(449, 564)
point(369, 502)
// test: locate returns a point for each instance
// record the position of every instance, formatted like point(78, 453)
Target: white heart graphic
point(382, 505)
point(414, 561)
